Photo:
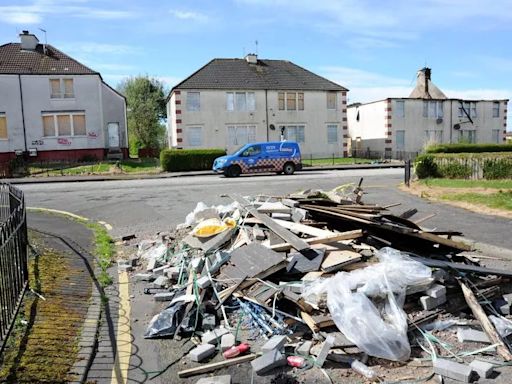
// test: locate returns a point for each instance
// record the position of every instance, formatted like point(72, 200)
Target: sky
point(372, 47)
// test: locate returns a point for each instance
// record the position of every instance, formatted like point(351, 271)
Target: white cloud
point(189, 15)
point(25, 18)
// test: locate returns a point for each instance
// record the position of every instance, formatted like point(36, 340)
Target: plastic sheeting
point(503, 325)
point(366, 304)
point(167, 321)
point(202, 212)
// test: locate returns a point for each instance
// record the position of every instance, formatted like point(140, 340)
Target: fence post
point(407, 174)
point(333, 159)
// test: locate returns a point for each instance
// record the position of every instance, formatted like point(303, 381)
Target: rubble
point(322, 273)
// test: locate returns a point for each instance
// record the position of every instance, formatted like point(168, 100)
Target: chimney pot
point(28, 41)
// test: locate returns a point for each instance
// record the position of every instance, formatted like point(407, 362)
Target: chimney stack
point(251, 58)
point(28, 41)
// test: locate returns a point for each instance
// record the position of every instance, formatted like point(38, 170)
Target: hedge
point(189, 159)
point(468, 148)
point(464, 165)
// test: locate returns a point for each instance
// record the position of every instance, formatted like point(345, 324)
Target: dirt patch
point(436, 193)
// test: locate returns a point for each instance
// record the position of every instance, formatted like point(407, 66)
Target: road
point(144, 207)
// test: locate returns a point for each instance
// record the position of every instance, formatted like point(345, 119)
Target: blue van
point(280, 157)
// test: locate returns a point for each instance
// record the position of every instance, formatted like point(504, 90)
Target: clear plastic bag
point(366, 304)
point(503, 325)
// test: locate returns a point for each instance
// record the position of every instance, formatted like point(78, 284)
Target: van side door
point(251, 158)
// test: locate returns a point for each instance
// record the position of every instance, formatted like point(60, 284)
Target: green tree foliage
point(145, 99)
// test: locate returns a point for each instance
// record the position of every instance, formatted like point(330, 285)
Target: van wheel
point(233, 171)
point(289, 168)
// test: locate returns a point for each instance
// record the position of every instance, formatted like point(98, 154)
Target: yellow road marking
point(124, 335)
point(59, 212)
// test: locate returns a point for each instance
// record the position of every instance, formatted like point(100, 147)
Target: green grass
point(104, 250)
point(132, 166)
point(498, 200)
point(334, 161)
point(459, 183)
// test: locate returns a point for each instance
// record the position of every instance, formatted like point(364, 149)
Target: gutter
point(23, 114)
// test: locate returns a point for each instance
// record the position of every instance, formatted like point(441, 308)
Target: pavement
point(167, 175)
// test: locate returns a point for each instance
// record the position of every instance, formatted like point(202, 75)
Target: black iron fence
point(383, 155)
point(13, 257)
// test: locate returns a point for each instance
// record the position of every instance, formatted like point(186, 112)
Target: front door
point(113, 135)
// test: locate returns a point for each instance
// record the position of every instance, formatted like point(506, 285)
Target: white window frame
point(470, 107)
point(433, 109)
point(299, 133)
point(400, 146)
point(240, 134)
point(56, 125)
point(193, 104)
point(400, 108)
point(3, 115)
point(434, 136)
point(470, 134)
point(249, 104)
point(296, 96)
point(189, 136)
point(332, 133)
point(496, 109)
point(331, 106)
point(62, 94)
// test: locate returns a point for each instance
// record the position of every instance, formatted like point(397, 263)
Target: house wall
point(99, 103)
point(378, 124)
point(214, 118)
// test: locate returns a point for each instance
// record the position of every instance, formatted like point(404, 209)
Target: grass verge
point(498, 200)
point(335, 161)
point(459, 183)
point(104, 251)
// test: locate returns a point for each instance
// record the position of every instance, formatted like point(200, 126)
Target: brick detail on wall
point(344, 102)
point(388, 149)
point(388, 141)
point(179, 140)
point(344, 93)
point(345, 144)
point(345, 153)
point(344, 119)
point(345, 127)
point(389, 133)
point(344, 110)
point(177, 102)
point(388, 117)
point(177, 92)
point(178, 121)
point(178, 111)
point(179, 130)
point(346, 136)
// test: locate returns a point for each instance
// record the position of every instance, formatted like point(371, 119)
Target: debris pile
point(320, 279)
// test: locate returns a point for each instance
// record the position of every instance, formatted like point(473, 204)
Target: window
point(434, 136)
point(467, 136)
point(400, 140)
point(240, 101)
point(195, 136)
point(253, 150)
point(399, 108)
point(294, 101)
point(433, 109)
point(3, 126)
point(467, 108)
point(295, 133)
point(331, 100)
point(64, 124)
point(496, 109)
point(332, 133)
point(193, 101)
point(61, 89)
point(241, 134)
point(496, 136)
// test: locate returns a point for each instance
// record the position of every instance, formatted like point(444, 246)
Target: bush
point(498, 168)
point(425, 167)
point(468, 148)
point(189, 159)
point(454, 170)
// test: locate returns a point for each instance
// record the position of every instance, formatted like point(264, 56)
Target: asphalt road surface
point(144, 207)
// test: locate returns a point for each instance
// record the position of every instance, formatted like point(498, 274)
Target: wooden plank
point(349, 235)
point(283, 233)
point(301, 228)
point(487, 326)
point(433, 263)
point(323, 321)
point(418, 221)
point(308, 319)
point(335, 260)
point(205, 368)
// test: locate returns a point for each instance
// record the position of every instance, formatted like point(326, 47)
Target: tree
point(145, 98)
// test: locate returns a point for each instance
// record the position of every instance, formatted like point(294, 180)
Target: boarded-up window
point(331, 100)
point(79, 125)
point(496, 109)
point(300, 101)
point(55, 89)
point(400, 140)
point(241, 134)
point(295, 133)
point(399, 108)
point(251, 101)
point(195, 136)
point(240, 101)
point(496, 136)
point(332, 133)
point(64, 125)
point(291, 103)
point(48, 126)
point(3, 126)
point(68, 89)
point(230, 101)
point(280, 99)
point(193, 101)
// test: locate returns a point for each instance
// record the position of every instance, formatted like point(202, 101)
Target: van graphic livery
point(279, 157)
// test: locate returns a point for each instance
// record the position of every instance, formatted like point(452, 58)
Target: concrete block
point(508, 297)
point(209, 322)
point(466, 335)
point(436, 291)
point(197, 264)
point(163, 296)
point(160, 270)
point(504, 309)
point(304, 348)
point(428, 303)
point(203, 282)
point(151, 264)
point(224, 379)
point(268, 361)
point(258, 233)
point(213, 337)
point(290, 203)
point(160, 282)
point(172, 273)
point(124, 265)
point(275, 342)
point(298, 214)
point(483, 368)
point(202, 352)
point(324, 351)
point(227, 341)
point(454, 370)
point(144, 277)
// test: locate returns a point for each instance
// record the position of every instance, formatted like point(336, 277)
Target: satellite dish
point(439, 120)
point(456, 126)
point(272, 127)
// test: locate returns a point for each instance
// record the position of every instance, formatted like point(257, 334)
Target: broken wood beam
point(205, 368)
point(486, 324)
point(335, 237)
